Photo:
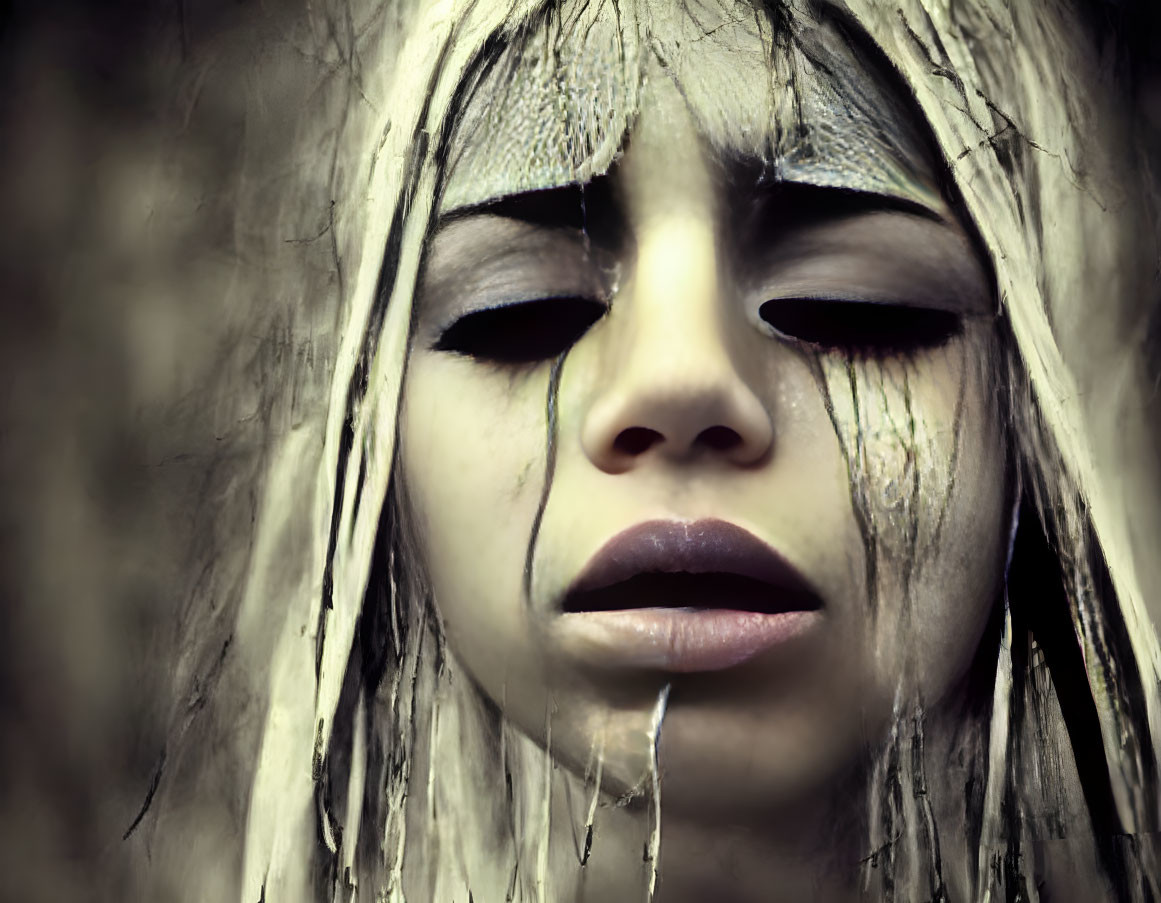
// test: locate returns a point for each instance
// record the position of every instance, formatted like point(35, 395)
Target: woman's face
point(776, 482)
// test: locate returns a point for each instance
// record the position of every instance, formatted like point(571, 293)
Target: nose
point(673, 390)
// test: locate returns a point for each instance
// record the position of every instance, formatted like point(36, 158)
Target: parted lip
point(706, 563)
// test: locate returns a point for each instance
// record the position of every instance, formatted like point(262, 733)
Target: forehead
point(558, 101)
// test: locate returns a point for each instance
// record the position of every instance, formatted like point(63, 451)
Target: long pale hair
point(358, 692)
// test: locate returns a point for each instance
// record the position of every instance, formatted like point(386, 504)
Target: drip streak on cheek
point(953, 463)
point(894, 466)
point(549, 470)
point(899, 476)
point(859, 477)
point(913, 456)
point(884, 446)
point(860, 506)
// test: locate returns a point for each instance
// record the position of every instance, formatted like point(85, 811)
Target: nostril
point(635, 440)
point(719, 438)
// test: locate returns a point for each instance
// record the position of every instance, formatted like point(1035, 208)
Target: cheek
point(926, 467)
point(472, 449)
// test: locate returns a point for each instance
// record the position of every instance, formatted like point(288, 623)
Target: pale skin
point(757, 760)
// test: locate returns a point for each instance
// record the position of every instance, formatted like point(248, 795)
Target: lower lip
point(681, 641)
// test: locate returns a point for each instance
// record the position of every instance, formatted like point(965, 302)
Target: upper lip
point(649, 562)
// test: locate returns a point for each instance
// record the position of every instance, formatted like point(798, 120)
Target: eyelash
point(525, 332)
point(860, 327)
point(529, 332)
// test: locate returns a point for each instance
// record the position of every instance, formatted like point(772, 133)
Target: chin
point(710, 772)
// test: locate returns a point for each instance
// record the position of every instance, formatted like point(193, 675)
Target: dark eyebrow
point(574, 206)
point(591, 208)
point(560, 207)
point(753, 189)
point(747, 184)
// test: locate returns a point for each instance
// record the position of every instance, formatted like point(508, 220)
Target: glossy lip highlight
point(684, 638)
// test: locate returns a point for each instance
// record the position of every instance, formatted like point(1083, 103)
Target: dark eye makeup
point(519, 283)
point(533, 331)
point(525, 332)
point(860, 327)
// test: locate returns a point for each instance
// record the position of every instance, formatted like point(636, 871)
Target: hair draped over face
point(1048, 167)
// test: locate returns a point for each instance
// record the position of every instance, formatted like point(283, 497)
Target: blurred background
point(148, 355)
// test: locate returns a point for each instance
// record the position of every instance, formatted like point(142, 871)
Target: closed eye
point(525, 332)
point(861, 327)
